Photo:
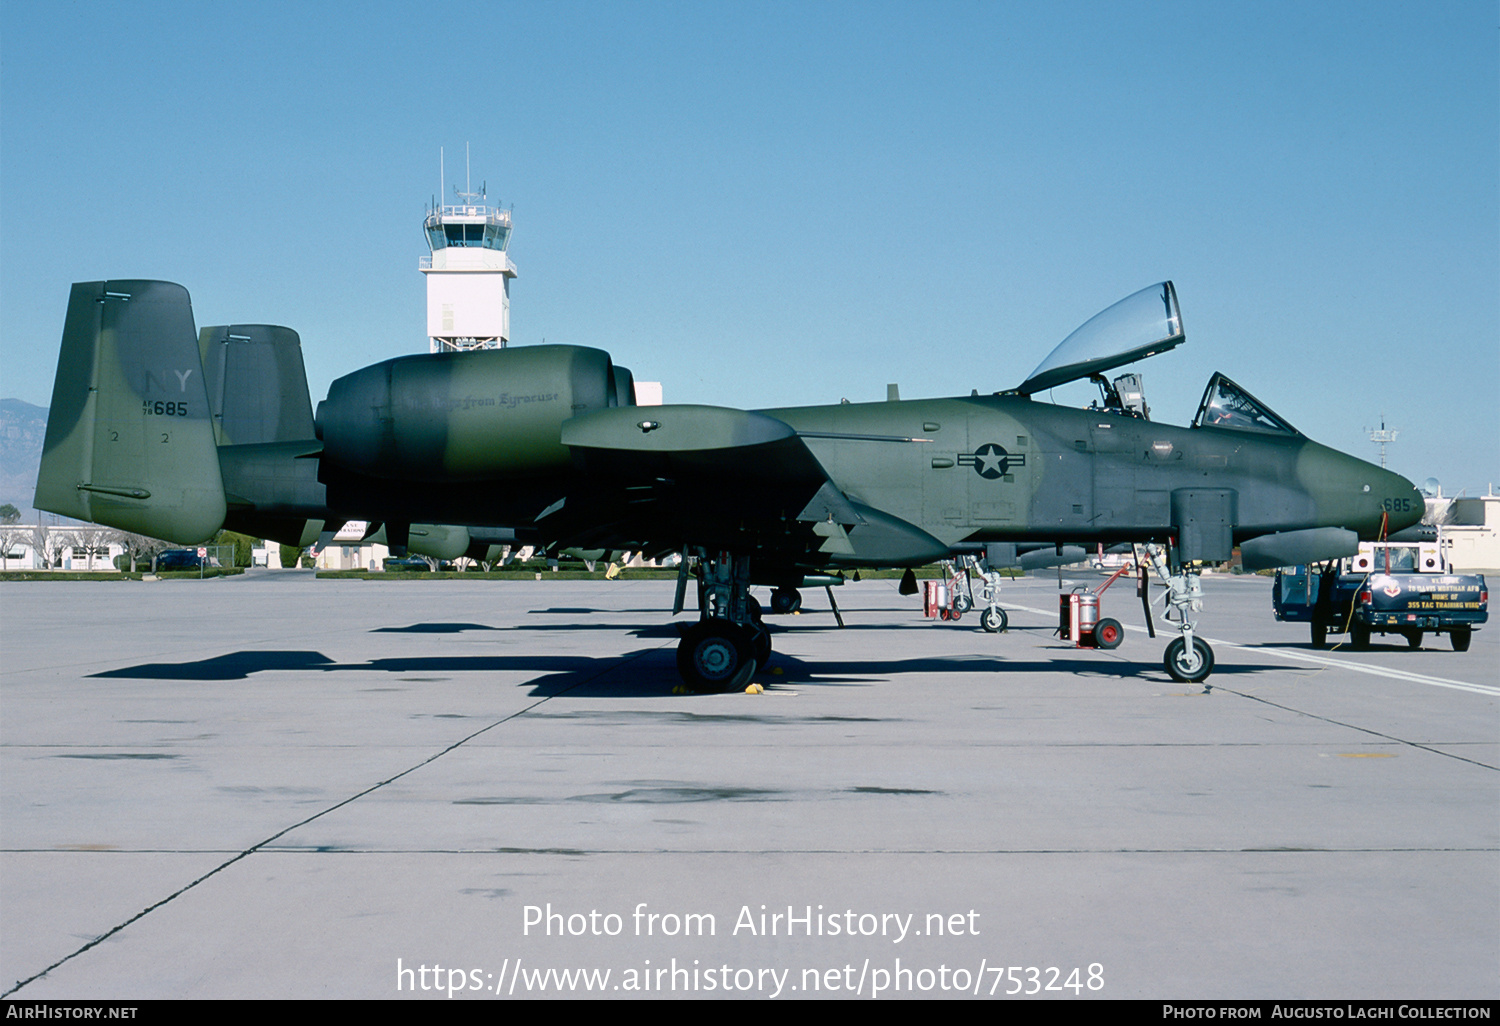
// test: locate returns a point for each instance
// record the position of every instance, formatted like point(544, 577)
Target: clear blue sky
point(770, 204)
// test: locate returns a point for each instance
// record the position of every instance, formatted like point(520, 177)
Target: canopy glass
point(1136, 327)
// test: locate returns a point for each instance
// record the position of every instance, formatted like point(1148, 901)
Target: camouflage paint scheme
point(542, 445)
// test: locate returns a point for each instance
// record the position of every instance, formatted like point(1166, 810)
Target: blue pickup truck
point(1401, 588)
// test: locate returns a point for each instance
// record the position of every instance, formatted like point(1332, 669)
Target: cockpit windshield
point(1227, 405)
point(1136, 327)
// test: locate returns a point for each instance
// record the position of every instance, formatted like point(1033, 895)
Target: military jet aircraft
point(160, 432)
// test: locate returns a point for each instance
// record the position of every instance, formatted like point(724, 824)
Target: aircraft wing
point(703, 475)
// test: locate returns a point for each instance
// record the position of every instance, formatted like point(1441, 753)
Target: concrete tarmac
point(275, 786)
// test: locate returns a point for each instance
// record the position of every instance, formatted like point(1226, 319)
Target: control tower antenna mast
point(468, 271)
point(1382, 437)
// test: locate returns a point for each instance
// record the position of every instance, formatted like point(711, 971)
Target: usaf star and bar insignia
point(991, 461)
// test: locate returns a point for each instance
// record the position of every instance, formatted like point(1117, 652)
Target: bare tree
point(140, 549)
point(51, 543)
point(91, 538)
point(10, 537)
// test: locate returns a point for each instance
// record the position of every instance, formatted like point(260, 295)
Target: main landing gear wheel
point(759, 644)
point(716, 656)
point(1186, 668)
point(994, 620)
point(1108, 634)
point(786, 600)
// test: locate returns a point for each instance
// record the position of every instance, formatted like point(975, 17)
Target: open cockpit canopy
point(1227, 405)
point(1136, 327)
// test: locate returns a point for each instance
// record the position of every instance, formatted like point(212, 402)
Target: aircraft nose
point(1392, 497)
point(1413, 506)
point(1357, 495)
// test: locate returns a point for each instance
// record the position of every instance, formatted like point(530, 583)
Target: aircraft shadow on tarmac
point(435, 628)
point(650, 672)
point(672, 627)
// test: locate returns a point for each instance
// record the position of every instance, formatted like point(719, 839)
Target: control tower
point(468, 275)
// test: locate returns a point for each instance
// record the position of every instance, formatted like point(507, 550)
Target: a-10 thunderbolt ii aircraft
point(159, 432)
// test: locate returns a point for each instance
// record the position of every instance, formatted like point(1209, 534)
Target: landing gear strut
point(729, 642)
point(1188, 658)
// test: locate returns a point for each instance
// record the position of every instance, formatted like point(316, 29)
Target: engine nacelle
point(477, 415)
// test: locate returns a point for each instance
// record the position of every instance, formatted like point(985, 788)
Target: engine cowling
point(468, 416)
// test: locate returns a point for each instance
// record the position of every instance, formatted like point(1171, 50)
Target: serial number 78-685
point(163, 409)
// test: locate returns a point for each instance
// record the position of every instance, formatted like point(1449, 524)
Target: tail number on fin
point(163, 409)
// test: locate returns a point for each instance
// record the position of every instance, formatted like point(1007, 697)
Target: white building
point(67, 546)
point(1469, 528)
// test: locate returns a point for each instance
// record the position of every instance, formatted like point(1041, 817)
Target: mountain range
point(22, 429)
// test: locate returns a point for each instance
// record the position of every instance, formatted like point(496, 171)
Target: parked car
point(183, 559)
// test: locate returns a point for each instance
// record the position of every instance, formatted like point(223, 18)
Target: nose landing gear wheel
point(1190, 669)
point(993, 620)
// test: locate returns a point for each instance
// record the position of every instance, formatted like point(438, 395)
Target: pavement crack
point(318, 815)
point(1355, 726)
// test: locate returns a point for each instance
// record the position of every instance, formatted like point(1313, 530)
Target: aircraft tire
point(994, 620)
point(961, 603)
point(758, 643)
point(1319, 635)
point(1176, 663)
point(1413, 638)
point(1460, 636)
point(711, 656)
point(1359, 636)
point(1108, 633)
point(786, 600)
